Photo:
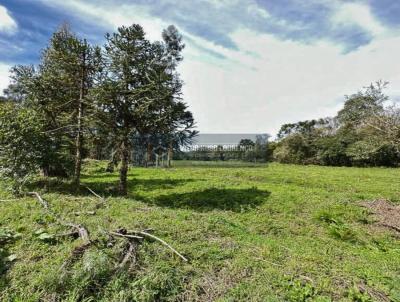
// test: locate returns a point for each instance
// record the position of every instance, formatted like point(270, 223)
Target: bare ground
point(386, 214)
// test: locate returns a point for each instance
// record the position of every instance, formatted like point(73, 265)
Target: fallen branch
point(43, 202)
point(82, 231)
point(97, 195)
point(128, 255)
point(125, 235)
point(164, 243)
point(85, 213)
point(7, 200)
point(373, 293)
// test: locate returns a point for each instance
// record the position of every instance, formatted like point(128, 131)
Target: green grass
point(252, 233)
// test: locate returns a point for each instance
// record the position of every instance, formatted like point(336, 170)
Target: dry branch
point(125, 235)
point(76, 254)
point(7, 200)
point(43, 202)
point(102, 199)
point(72, 233)
point(128, 255)
point(164, 243)
point(95, 194)
point(82, 231)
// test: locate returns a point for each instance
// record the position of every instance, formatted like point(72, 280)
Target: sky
point(250, 65)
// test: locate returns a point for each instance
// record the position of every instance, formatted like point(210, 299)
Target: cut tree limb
point(43, 202)
point(102, 199)
point(164, 243)
point(82, 231)
point(128, 255)
point(125, 235)
point(95, 194)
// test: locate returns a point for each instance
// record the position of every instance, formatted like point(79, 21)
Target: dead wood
point(130, 254)
point(43, 202)
point(72, 233)
point(164, 243)
point(141, 234)
point(125, 235)
point(102, 199)
point(82, 231)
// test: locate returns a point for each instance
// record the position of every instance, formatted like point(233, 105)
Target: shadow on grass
point(236, 200)
point(106, 188)
point(3, 268)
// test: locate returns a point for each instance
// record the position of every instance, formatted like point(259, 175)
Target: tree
point(77, 64)
point(141, 92)
point(358, 107)
point(21, 144)
point(169, 116)
point(56, 90)
point(123, 98)
point(246, 143)
point(366, 132)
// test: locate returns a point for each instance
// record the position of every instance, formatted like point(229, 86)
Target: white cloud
point(357, 14)
point(4, 76)
point(115, 16)
point(287, 82)
point(7, 23)
point(269, 81)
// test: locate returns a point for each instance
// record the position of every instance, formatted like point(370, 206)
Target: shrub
point(21, 141)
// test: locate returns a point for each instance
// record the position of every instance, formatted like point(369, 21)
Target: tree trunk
point(123, 172)
point(78, 139)
point(170, 154)
point(148, 154)
point(78, 146)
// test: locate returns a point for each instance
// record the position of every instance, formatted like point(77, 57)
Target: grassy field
point(251, 233)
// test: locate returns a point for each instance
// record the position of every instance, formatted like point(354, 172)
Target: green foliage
point(90, 103)
point(7, 237)
point(22, 143)
point(357, 296)
point(337, 228)
point(300, 291)
point(364, 133)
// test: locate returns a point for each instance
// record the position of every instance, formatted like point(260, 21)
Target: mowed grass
point(251, 233)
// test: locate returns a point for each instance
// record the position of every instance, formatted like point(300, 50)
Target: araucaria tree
point(141, 90)
point(81, 91)
point(72, 64)
point(57, 92)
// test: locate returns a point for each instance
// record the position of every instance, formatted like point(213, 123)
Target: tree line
point(246, 150)
point(83, 100)
point(365, 132)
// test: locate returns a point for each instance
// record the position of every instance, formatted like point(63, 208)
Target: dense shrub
point(21, 143)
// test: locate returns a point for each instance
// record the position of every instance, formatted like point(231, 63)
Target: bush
point(21, 144)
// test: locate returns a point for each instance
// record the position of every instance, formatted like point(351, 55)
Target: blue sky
point(250, 65)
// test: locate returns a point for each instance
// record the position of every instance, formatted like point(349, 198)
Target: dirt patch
point(386, 214)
